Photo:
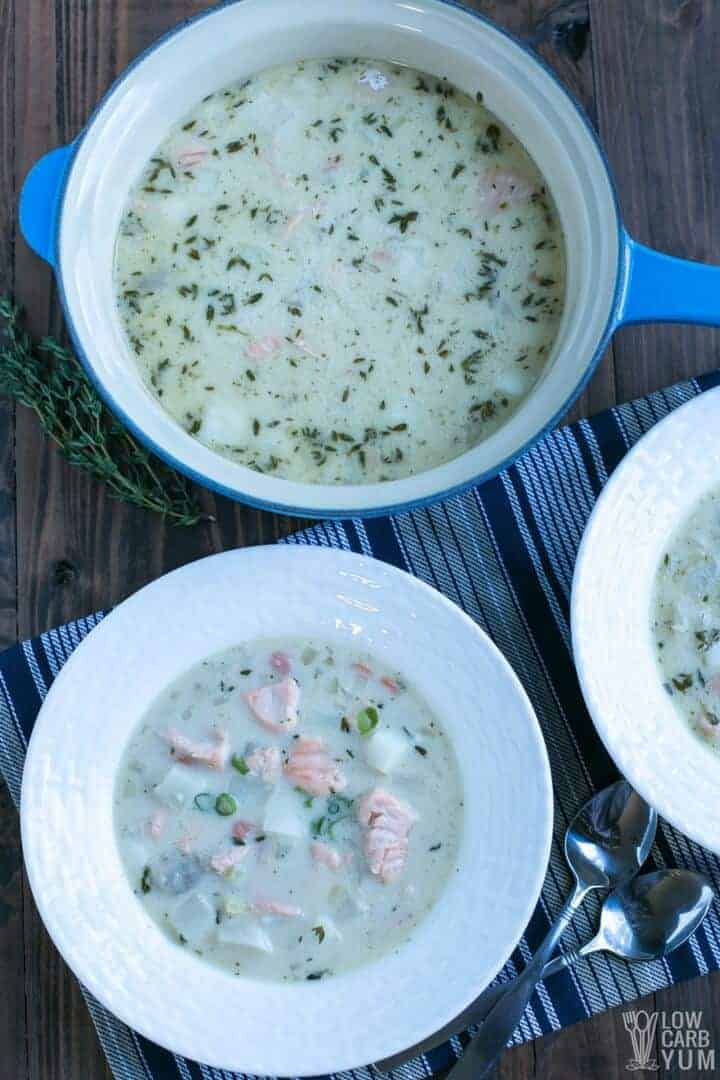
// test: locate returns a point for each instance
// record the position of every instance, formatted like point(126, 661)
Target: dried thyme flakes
point(371, 254)
point(685, 619)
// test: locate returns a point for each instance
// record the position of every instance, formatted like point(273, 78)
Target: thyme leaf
point(46, 377)
point(403, 220)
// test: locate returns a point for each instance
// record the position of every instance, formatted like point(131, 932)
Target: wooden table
point(646, 71)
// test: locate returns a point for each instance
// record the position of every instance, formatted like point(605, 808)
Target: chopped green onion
point(337, 804)
point(338, 807)
point(367, 720)
point(317, 826)
point(240, 764)
point(204, 801)
point(225, 804)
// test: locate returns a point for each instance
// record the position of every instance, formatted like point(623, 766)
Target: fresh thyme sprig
point(46, 378)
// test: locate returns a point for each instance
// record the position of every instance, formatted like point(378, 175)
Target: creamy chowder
point(289, 810)
point(686, 619)
point(340, 271)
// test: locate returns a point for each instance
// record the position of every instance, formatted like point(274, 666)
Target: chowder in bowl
point(644, 606)
point(75, 198)
point(289, 809)
point(167, 828)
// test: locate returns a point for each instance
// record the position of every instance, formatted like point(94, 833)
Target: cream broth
point(340, 271)
point(289, 810)
point(686, 619)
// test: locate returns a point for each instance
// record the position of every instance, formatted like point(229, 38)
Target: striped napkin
point(505, 553)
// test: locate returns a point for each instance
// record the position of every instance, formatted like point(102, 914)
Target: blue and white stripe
point(505, 554)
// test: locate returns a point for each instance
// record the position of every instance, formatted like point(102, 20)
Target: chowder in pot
point(340, 271)
point(76, 198)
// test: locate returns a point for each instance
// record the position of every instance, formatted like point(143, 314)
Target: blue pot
point(73, 199)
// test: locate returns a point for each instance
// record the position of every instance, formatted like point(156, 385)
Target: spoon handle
point(569, 958)
point(484, 1051)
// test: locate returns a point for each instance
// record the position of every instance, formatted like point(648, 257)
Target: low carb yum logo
point(684, 1043)
point(641, 1027)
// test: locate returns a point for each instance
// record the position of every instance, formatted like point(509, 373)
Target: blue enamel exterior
point(40, 202)
point(662, 288)
point(649, 286)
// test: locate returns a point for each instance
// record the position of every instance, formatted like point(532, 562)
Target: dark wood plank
point(60, 1037)
point(13, 1048)
point(597, 1048)
point(698, 995)
point(657, 109)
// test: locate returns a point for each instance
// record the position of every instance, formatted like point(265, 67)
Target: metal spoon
point(605, 844)
point(645, 919)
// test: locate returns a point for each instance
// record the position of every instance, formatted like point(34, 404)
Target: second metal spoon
point(645, 919)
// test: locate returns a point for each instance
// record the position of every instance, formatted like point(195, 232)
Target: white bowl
point(74, 197)
point(178, 1000)
point(646, 499)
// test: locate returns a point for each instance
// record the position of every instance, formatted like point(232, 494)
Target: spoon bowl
point(649, 917)
point(610, 837)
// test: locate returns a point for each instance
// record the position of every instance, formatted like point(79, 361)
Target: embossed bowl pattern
point(175, 998)
point(647, 498)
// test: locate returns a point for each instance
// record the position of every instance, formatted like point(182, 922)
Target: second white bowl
point(646, 499)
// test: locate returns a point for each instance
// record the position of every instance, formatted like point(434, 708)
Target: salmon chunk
point(275, 907)
point(157, 823)
point(388, 823)
point(259, 348)
point(275, 706)
point(242, 829)
point(226, 861)
point(391, 684)
point(312, 769)
point(281, 662)
point(326, 855)
point(192, 155)
point(500, 189)
point(214, 755)
point(266, 763)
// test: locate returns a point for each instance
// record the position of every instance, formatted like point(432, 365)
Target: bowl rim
point(52, 915)
point(382, 508)
point(656, 794)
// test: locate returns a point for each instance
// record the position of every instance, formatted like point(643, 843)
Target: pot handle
point(662, 288)
point(40, 201)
